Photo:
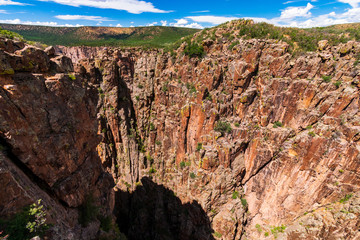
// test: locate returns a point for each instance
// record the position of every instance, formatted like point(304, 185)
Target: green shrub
point(149, 159)
point(237, 124)
point(182, 164)
point(312, 134)
point(276, 230)
point(209, 97)
point(157, 142)
point(165, 88)
point(191, 87)
point(235, 195)
point(244, 202)
point(105, 223)
point(199, 147)
point(232, 45)
point(192, 175)
point(140, 86)
point(72, 77)
point(217, 234)
point(277, 124)
point(10, 35)
point(152, 127)
point(258, 228)
point(152, 170)
point(346, 198)
point(337, 84)
point(223, 127)
point(26, 224)
point(194, 50)
point(88, 211)
point(326, 78)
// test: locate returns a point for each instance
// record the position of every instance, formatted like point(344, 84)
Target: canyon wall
point(248, 142)
point(48, 139)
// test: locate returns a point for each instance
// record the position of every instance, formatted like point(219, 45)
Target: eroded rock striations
point(248, 142)
point(48, 139)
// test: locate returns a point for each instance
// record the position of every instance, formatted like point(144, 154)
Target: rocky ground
point(248, 142)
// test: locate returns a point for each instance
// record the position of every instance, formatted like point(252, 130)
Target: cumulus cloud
point(151, 24)
point(353, 3)
point(185, 23)
point(163, 23)
point(293, 12)
point(211, 19)
point(132, 6)
point(10, 2)
point(51, 24)
point(118, 25)
point(82, 17)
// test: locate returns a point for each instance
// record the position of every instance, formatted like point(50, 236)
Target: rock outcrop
point(48, 140)
point(249, 142)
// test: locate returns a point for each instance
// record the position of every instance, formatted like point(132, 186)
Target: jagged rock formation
point(48, 139)
point(266, 143)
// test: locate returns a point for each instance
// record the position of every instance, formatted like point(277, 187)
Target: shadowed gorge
point(154, 212)
point(221, 137)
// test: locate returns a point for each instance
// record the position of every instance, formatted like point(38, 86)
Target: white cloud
point(353, 3)
point(194, 25)
point(203, 11)
point(10, 2)
point(349, 16)
point(51, 24)
point(185, 23)
point(293, 12)
point(118, 25)
point(151, 24)
point(132, 6)
point(293, 1)
point(4, 12)
point(211, 19)
point(163, 23)
point(82, 17)
point(182, 21)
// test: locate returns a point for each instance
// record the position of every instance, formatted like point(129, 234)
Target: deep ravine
point(244, 143)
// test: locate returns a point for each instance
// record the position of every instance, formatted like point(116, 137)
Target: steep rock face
point(78, 53)
point(248, 142)
point(48, 140)
point(293, 147)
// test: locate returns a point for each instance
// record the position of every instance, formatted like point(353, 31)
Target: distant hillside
point(101, 36)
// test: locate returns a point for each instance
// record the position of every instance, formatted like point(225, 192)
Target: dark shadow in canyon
point(153, 212)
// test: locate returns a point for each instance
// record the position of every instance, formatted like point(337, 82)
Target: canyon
point(250, 141)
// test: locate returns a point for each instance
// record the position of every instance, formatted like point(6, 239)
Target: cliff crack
point(16, 106)
point(27, 171)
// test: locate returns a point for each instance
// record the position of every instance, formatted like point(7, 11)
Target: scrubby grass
point(12, 35)
point(223, 127)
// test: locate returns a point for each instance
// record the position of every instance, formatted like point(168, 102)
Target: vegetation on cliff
point(11, 35)
point(300, 40)
point(26, 224)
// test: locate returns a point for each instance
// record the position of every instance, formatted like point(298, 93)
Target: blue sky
point(184, 13)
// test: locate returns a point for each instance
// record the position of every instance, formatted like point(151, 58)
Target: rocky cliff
point(48, 139)
point(248, 142)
